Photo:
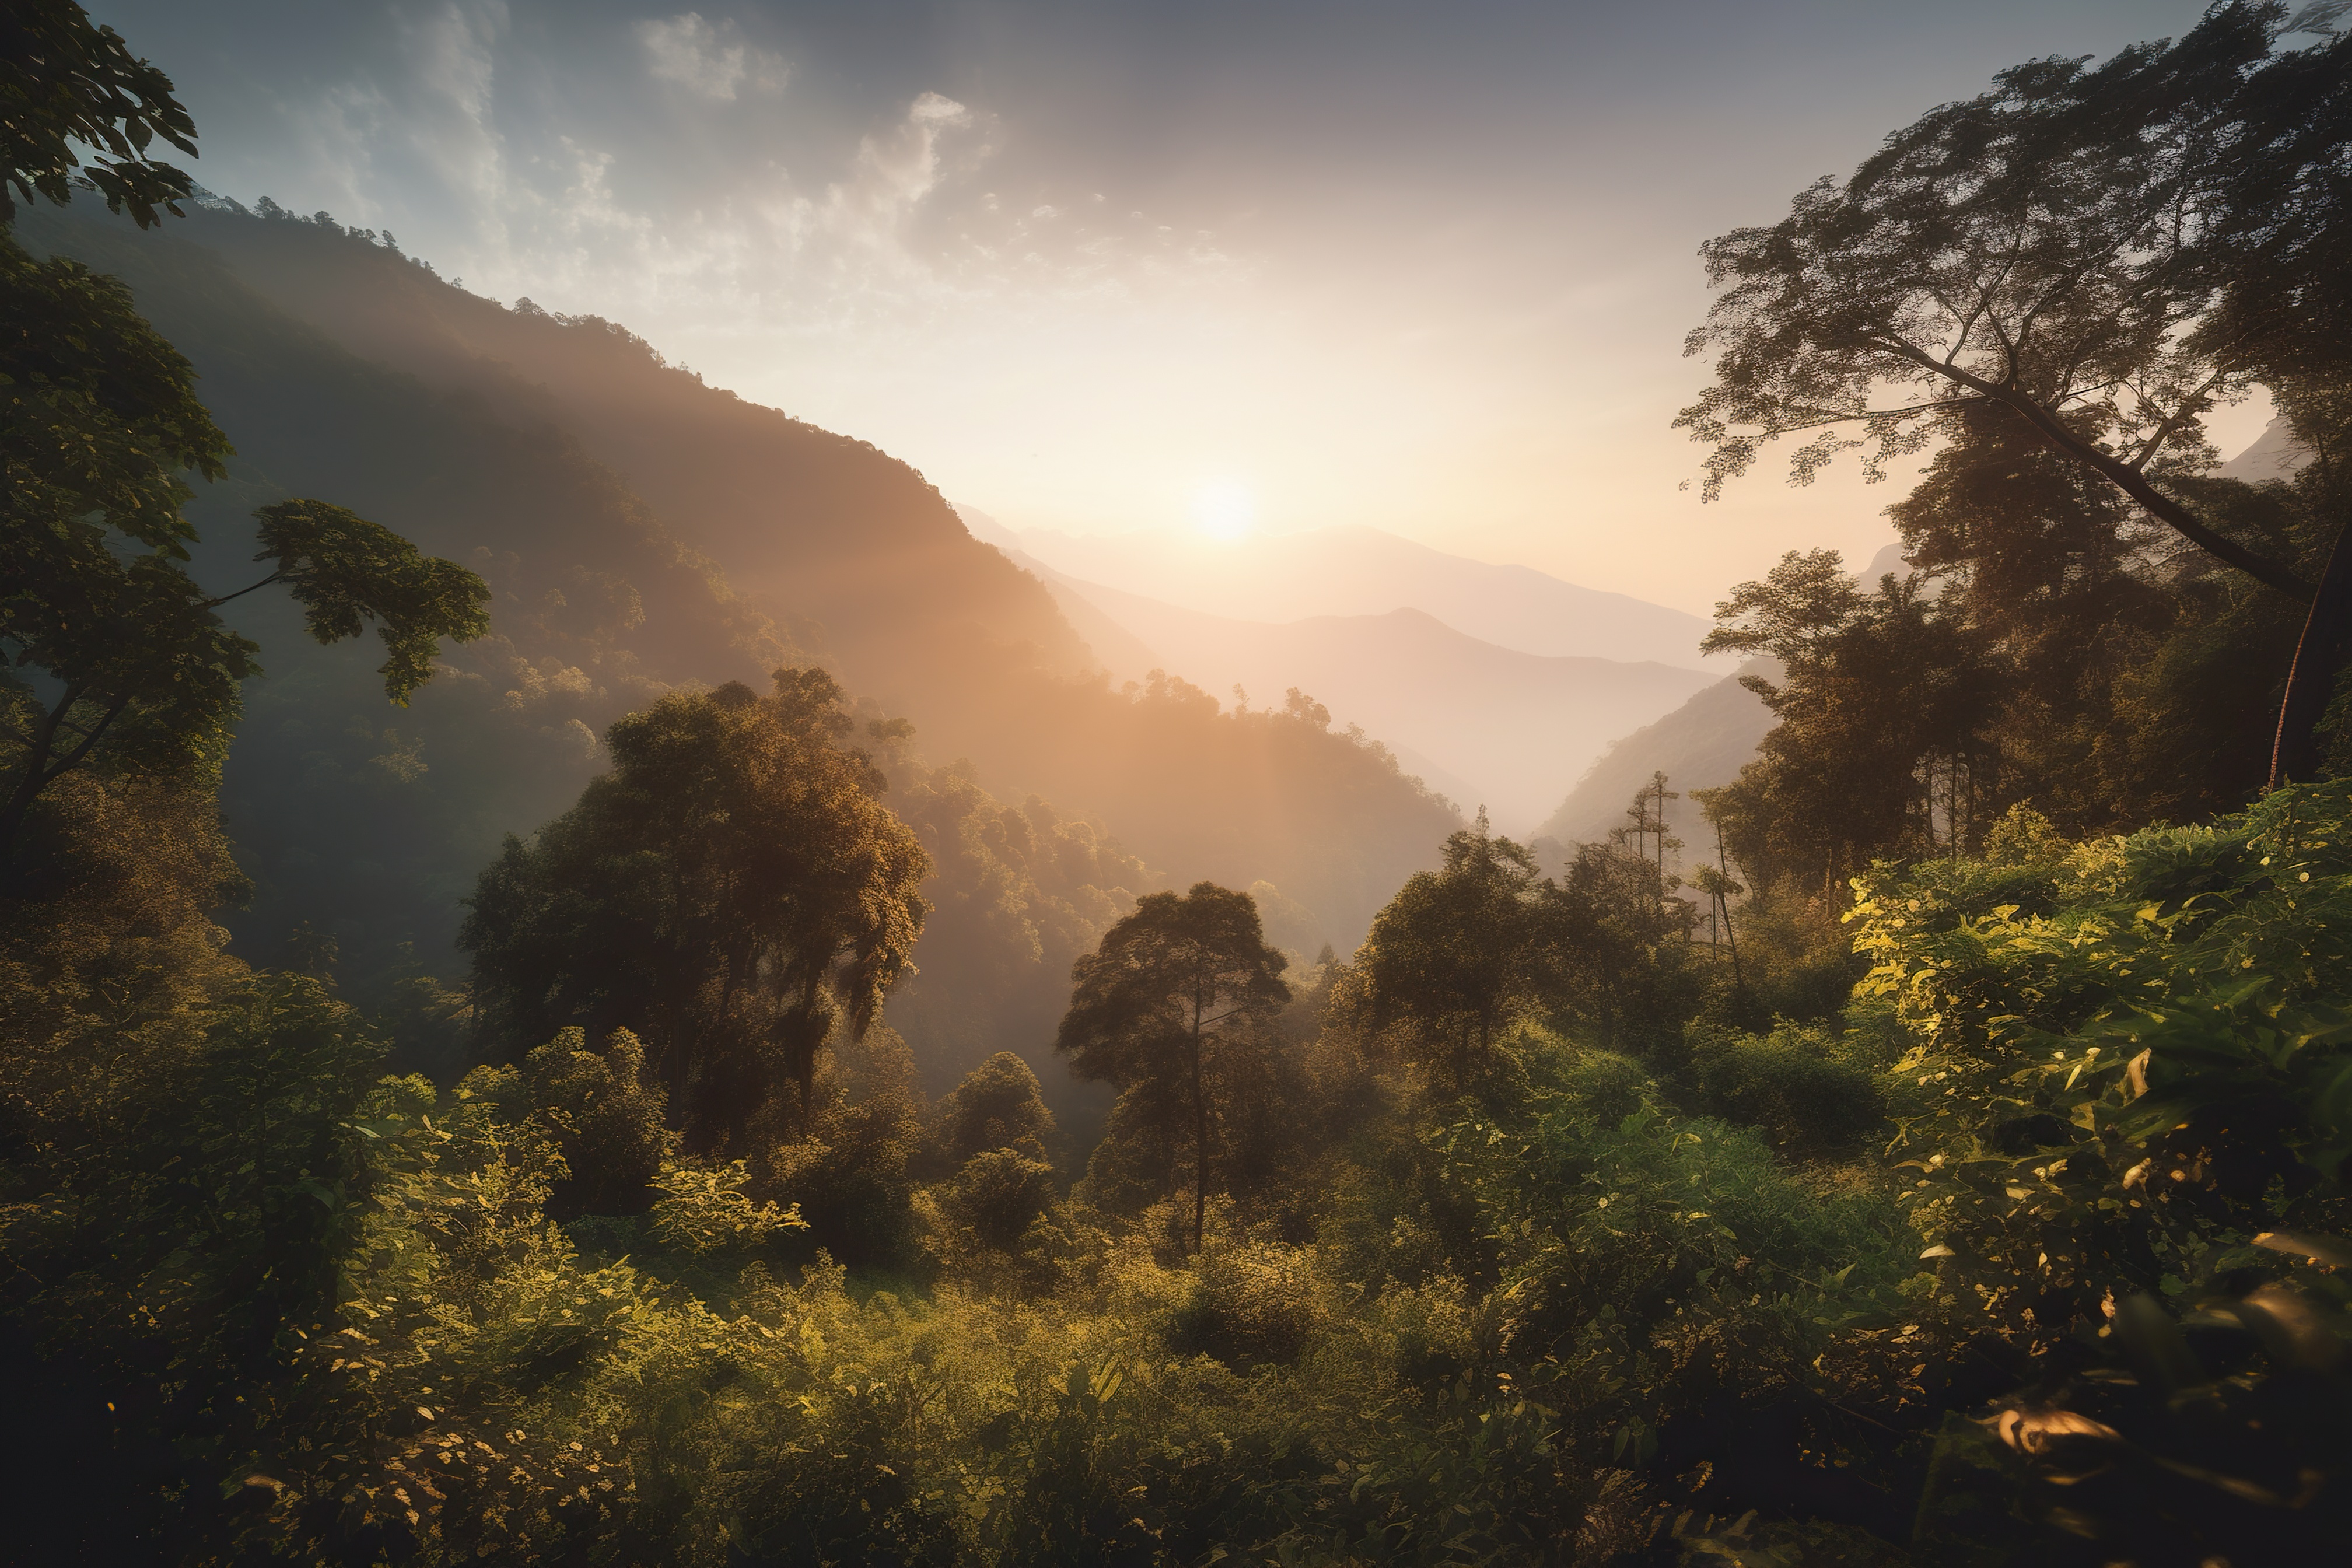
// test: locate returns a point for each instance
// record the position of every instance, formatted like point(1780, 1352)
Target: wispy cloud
point(707, 59)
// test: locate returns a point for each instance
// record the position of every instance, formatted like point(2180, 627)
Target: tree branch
point(2124, 477)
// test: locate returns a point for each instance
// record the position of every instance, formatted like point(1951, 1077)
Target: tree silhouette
point(1174, 987)
point(2096, 256)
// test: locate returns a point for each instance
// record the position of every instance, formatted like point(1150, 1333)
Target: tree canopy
point(731, 891)
point(66, 84)
point(1457, 949)
point(2101, 253)
point(1183, 980)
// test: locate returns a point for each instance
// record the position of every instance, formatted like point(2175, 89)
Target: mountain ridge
point(1351, 569)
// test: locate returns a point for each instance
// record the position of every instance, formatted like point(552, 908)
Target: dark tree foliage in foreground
point(1176, 988)
point(115, 657)
point(731, 891)
point(66, 84)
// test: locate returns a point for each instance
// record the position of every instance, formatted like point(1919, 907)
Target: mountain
point(1358, 571)
point(1505, 726)
point(643, 532)
point(1703, 743)
point(2275, 454)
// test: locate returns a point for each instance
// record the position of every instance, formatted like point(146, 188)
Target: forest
point(803, 1149)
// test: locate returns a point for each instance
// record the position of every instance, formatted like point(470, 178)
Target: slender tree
point(1182, 982)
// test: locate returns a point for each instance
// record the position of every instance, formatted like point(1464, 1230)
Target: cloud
point(893, 173)
point(693, 53)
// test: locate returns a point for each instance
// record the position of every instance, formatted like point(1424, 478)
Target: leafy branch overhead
point(115, 656)
point(2066, 247)
point(66, 82)
point(344, 570)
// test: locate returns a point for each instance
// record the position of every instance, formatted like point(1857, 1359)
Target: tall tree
point(730, 891)
point(2099, 254)
point(1884, 702)
point(1181, 982)
point(1457, 949)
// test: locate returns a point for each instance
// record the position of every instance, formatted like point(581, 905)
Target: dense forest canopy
point(1942, 1159)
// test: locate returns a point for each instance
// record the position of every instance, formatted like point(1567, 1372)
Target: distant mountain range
point(1355, 571)
point(1482, 724)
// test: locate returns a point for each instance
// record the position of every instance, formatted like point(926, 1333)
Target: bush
point(606, 1120)
point(1252, 1303)
point(1000, 1192)
point(1790, 1085)
point(705, 1210)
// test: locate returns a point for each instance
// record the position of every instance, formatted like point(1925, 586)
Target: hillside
point(1703, 743)
point(1509, 726)
point(1356, 571)
point(370, 822)
point(798, 516)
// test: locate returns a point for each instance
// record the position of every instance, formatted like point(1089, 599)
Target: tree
point(731, 891)
point(1179, 983)
point(997, 1106)
point(1886, 708)
point(1645, 822)
point(2098, 255)
point(1457, 949)
point(65, 83)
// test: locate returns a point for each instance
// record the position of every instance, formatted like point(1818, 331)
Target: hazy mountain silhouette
point(1703, 743)
point(1499, 727)
point(1359, 570)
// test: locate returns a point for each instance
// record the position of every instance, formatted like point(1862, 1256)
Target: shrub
point(1790, 1085)
point(705, 1210)
point(1252, 1302)
point(606, 1120)
point(1000, 1192)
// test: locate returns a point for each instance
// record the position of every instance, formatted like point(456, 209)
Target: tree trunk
point(2311, 680)
point(1199, 1142)
point(1731, 940)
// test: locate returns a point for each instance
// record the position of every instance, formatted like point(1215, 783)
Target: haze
point(1222, 267)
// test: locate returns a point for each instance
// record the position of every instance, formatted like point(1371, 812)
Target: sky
point(1194, 264)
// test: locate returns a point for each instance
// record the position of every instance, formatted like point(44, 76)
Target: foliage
point(1177, 996)
point(705, 1210)
point(607, 1122)
point(2057, 280)
point(729, 892)
point(65, 83)
point(1456, 949)
point(997, 1106)
point(1000, 1192)
point(1794, 1084)
point(137, 672)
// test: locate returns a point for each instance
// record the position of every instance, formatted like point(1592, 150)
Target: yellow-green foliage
point(704, 1209)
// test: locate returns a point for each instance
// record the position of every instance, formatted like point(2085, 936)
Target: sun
point(1223, 509)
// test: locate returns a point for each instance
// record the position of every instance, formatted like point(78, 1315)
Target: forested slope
point(642, 533)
